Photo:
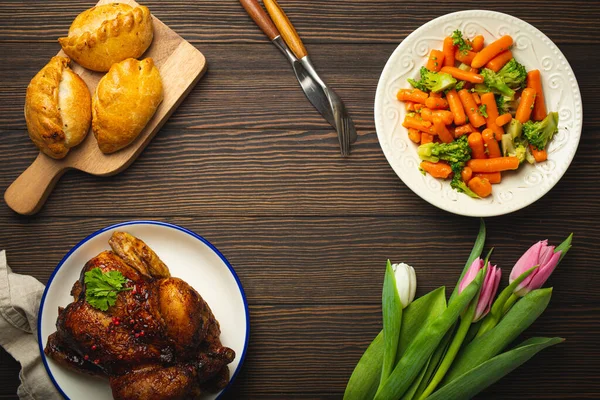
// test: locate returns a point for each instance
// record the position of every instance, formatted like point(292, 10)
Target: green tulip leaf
point(364, 380)
point(475, 380)
point(475, 253)
point(482, 348)
point(424, 344)
point(392, 321)
point(564, 247)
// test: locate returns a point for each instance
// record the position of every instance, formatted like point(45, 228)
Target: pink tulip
point(471, 273)
point(488, 292)
point(540, 255)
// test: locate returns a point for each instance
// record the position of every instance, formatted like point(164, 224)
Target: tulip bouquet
point(435, 349)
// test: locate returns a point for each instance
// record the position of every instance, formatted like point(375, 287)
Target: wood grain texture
point(339, 21)
point(250, 165)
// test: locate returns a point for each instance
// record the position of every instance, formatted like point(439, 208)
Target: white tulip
point(406, 282)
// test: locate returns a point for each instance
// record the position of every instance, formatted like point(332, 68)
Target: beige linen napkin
point(20, 297)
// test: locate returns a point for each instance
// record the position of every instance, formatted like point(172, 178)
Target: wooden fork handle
point(260, 17)
point(28, 193)
point(288, 33)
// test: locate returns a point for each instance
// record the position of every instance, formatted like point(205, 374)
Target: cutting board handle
point(28, 193)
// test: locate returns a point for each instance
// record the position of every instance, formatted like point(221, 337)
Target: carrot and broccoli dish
point(476, 112)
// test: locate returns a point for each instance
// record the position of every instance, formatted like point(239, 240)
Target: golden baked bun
point(125, 100)
point(57, 108)
point(108, 34)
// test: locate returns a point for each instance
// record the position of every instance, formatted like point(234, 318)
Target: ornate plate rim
point(468, 206)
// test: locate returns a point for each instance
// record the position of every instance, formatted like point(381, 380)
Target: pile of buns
point(59, 108)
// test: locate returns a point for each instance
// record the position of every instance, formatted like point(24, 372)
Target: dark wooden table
point(250, 165)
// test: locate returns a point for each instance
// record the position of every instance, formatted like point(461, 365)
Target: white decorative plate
point(531, 48)
point(188, 256)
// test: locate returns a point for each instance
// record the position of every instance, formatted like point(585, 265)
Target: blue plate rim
point(144, 222)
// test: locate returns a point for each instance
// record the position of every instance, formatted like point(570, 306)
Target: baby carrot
point(437, 170)
point(490, 142)
point(477, 43)
point(415, 123)
point(435, 94)
point(446, 116)
point(436, 60)
point(463, 130)
point(448, 50)
point(493, 164)
point(409, 105)
point(436, 103)
point(474, 70)
point(475, 142)
point(414, 135)
point(471, 108)
point(466, 174)
point(463, 75)
point(418, 106)
point(504, 119)
point(496, 63)
point(492, 50)
point(539, 155)
point(493, 177)
point(476, 98)
point(525, 105)
point(534, 81)
point(428, 115)
point(414, 95)
point(489, 101)
point(465, 57)
point(481, 186)
point(456, 107)
point(426, 137)
point(441, 130)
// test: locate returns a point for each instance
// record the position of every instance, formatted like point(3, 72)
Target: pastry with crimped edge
point(57, 108)
point(108, 34)
point(125, 100)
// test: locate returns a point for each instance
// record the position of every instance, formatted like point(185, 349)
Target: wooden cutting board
point(181, 65)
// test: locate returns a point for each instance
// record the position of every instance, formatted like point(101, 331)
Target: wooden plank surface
point(247, 163)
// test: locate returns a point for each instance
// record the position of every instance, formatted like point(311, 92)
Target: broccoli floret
point(460, 186)
point(496, 84)
point(458, 40)
point(433, 81)
point(541, 132)
point(460, 85)
point(457, 183)
point(513, 74)
point(483, 111)
point(506, 105)
point(480, 88)
point(514, 128)
point(457, 151)
point(514, 147)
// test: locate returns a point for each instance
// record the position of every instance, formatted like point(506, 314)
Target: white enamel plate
point(188, 256)
point(531, 48)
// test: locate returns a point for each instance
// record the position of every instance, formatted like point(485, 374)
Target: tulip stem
point(455, 345)
point(463, 328)
point(509, 303)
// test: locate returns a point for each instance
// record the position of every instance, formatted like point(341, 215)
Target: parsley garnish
point(460, 42)
point(101, 288)
point(483, 110)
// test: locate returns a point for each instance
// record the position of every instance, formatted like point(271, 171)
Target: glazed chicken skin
point(160, 340)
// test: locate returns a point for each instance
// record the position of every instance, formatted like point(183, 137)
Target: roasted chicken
point(160, 339)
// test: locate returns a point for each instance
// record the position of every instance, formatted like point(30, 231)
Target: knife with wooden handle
point(344, 124)
point(314, 88)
